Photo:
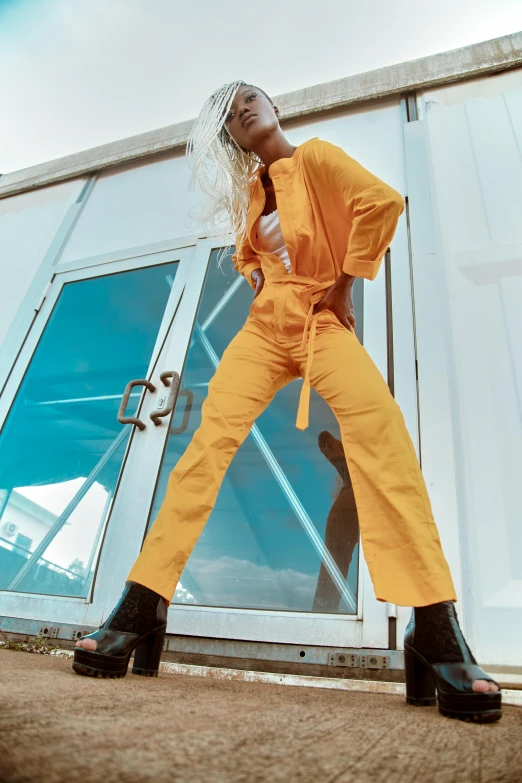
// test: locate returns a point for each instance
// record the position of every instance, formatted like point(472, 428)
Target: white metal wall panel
point(28, 223)
point(434, 381)
point(475, 166)
point(134, 206)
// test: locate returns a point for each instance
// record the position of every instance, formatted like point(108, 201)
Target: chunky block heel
point(420, 686)
point(147, 655)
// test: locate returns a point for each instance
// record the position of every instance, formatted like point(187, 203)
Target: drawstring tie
point(316, 291)
point(303, 410)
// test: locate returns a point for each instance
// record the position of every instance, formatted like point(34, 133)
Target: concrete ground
point(57, 726)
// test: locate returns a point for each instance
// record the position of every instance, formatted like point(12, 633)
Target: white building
point(103, 282)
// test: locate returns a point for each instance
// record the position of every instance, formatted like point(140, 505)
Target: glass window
point(61, 448)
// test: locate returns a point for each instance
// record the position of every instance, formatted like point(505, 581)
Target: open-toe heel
point(420, 686)
point(113, 652)
point(453, 684)
point(137, 624)
point(451, 681)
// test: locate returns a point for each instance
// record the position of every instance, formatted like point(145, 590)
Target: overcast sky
point(78, 73)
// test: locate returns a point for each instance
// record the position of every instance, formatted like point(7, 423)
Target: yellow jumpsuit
point(335, 216)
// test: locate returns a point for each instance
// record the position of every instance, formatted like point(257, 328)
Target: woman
point(309, 220)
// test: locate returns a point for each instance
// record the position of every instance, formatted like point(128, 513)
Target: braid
point(220, 166)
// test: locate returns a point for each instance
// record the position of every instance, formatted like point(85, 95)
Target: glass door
point(61, 446)
point(279, 559)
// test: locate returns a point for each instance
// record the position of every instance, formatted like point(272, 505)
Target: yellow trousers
point(280, 341)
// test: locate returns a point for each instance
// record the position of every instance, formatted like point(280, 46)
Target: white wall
point(28, 223)
point(473, 136)
point(132, 206)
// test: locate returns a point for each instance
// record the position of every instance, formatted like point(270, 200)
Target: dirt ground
point(57, 726)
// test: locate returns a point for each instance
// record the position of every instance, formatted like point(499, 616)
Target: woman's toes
point(86, 644)
point(483, 686)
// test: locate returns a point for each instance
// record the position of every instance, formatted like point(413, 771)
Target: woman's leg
point(399, 536)
point(251, 371)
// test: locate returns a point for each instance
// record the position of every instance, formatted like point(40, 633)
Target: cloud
point(228, 581)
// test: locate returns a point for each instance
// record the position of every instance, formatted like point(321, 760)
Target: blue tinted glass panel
point(61, 448)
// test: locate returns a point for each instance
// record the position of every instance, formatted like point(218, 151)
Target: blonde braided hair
point(220, 166)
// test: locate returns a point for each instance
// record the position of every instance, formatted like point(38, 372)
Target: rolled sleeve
point(376, 212)
point(371, 207)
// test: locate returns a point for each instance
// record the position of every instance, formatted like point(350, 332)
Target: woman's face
point(251, 116)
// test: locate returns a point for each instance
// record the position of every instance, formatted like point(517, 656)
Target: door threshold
point(353, 664)
point(240, 653)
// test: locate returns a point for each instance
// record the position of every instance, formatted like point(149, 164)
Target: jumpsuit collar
point(283, 164)
point(257, 193)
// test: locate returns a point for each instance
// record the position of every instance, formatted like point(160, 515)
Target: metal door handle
point(160, 413)
point(125, 399)
point(186, 415)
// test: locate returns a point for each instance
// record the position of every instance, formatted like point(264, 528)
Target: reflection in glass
point(283, 534)
point(61, 448)
point(342, 526)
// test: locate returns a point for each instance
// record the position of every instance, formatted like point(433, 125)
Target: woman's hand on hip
point(259, 279)
point(338, 299)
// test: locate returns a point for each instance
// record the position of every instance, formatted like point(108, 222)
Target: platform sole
point(484, 710)
point(472, 717)
point(94, 664)
point(473, 708)
point(91, 671)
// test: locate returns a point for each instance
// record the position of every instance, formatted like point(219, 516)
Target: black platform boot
point(440, 664)
point(138, 623)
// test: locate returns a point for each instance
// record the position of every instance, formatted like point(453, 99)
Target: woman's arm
point(339, 299)
point(372, 206)
point(246, 261)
